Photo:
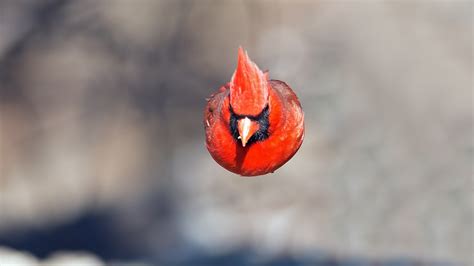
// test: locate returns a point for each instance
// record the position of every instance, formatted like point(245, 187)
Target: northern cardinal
point(253, 124)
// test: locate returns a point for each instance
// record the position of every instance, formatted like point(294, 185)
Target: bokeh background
point(102, 156)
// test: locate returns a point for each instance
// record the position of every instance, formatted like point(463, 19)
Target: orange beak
point(246, 129)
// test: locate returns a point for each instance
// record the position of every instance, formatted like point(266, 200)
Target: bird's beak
point(246, 129)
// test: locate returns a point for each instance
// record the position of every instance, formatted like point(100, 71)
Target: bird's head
point(249, 92)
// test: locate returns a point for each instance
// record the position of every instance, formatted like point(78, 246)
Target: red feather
point(253, 125)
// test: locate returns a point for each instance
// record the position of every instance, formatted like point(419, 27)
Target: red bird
point(253, 124)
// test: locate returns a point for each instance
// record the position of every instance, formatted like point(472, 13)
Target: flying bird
point(253, 124)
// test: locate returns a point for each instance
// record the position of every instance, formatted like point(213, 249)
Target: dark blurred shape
point(93, 233)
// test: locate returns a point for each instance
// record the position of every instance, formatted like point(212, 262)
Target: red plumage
point(253, 125)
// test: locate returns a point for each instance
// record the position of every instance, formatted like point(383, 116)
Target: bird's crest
point(248, 87)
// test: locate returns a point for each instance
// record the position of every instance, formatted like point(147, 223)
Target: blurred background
point(102, 156)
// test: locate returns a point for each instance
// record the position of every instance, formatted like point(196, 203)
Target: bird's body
point(253, 125)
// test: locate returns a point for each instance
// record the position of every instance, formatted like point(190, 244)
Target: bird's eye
point(262, 115)
point(261, 118)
